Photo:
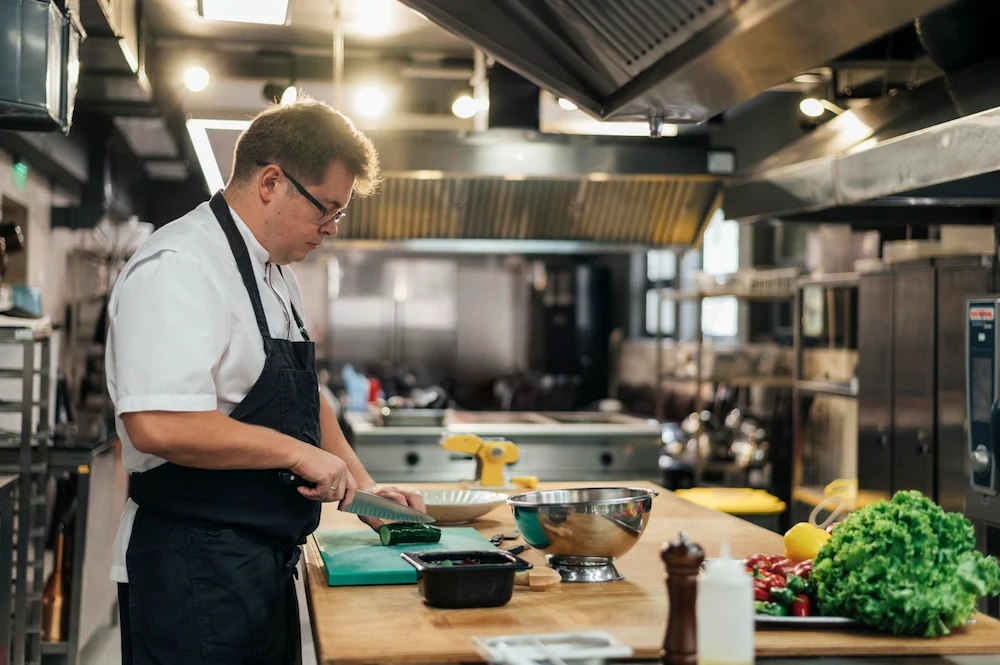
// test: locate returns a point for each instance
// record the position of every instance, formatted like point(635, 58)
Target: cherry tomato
point(803, 569)
point(771, 581)
point(800, 608)
point(783, 567)
point(759, 560)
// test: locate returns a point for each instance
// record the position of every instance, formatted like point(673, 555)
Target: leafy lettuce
point(905, 567)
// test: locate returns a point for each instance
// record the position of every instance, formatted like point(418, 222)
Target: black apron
point(212, 553)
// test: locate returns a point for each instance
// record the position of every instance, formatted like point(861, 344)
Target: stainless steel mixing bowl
point(582, 531)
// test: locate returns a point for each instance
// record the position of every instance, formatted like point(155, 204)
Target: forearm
point(210, 440)
point(335, 442)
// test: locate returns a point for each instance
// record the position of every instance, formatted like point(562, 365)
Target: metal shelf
point(17, 373)
point(668, 294)
point(769, 381)
point(825, 388)
point(55, 648)
point(842, 280)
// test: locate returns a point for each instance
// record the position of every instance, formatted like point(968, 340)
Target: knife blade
point(367, 504)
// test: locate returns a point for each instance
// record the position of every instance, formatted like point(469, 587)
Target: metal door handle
point(923, 448)
point(883, 440)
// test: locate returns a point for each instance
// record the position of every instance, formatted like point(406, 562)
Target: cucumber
point(400, 533)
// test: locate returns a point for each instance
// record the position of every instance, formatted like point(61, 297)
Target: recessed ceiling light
point(370, 101)
point(290, 95)
point(568, 105)
point(266, 12)
point(196, 78)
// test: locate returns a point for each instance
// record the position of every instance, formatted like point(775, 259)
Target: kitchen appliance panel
point(875, 321)
point(914, 385)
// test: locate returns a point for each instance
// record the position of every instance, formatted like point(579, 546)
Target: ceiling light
point(290, 95)
point(568, 105)
point(196, 78)
point(371, 17)
point(465, 107)
point(267, 12)
point(198, 131)
point(812, 107)
point(370, 101)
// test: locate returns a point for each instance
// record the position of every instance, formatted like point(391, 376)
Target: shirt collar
point(256, 250)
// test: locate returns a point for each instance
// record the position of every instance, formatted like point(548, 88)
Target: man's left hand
point(411, 499)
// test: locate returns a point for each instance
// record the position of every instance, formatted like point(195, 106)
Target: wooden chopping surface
point(391, 624)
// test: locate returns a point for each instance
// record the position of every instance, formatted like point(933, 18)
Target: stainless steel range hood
point(513, 185)
point(677, 60)
point(934, 147)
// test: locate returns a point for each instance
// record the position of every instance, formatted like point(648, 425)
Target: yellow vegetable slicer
point(491, 460)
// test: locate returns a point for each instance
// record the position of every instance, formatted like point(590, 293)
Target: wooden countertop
point(391, 625)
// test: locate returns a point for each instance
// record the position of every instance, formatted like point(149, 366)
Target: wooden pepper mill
point(683, 559)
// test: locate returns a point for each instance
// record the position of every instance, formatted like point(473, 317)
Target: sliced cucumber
point(401, 533)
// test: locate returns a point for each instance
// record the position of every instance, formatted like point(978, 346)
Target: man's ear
point(269, 183)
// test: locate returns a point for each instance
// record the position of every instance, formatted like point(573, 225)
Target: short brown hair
point(305, 138)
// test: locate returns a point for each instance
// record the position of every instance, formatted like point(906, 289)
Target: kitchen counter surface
point(391, 625)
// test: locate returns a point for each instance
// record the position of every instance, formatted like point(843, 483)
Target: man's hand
point(333, 480)
point(411, 499)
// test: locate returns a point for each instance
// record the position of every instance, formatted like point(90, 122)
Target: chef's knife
point(367, 504)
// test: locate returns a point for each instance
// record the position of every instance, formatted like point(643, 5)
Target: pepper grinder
point(683, 560)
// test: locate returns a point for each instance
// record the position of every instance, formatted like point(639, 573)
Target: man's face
point(297, 225)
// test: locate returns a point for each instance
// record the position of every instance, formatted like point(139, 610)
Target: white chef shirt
point(183, 336)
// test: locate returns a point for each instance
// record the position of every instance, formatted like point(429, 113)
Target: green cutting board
point(357, 558)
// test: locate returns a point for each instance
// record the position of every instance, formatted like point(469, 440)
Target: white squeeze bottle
point(725, 612)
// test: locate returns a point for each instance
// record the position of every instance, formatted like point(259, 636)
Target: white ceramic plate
point(460, 506)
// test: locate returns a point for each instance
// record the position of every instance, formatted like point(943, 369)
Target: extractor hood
point(673, 61)
point(933, 148)
point(514, 185)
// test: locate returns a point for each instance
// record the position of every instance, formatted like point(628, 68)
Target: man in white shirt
point(216, 399)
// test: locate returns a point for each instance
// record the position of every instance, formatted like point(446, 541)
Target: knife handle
point(289, 478)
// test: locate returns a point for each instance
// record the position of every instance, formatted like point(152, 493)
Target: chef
point(213, 378)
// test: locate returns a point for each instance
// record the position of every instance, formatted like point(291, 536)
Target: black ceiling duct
point(513, 100)
point(961, 34)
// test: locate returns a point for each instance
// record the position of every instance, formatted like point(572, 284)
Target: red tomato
point(771, 581)
point(783, 567)
point(759, 560)
point(803, 569)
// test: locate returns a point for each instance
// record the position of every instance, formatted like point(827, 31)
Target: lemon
point(804, 541)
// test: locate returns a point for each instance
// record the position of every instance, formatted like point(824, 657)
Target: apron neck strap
point(242, 256)
point(295, 313)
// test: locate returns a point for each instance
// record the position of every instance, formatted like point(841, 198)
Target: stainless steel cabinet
point(913, 370)
point(875, 356)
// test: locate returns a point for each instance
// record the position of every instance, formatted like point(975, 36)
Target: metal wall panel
point(914, 384)
point(875, 321)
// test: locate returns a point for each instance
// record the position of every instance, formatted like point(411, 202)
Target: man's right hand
point(330, 474)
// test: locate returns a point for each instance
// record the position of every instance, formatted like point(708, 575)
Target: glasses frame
point(324, 211)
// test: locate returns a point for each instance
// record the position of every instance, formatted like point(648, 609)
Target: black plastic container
point(489, 582)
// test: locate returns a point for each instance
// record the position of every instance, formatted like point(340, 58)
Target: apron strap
point(242, 256)
point(298, 319)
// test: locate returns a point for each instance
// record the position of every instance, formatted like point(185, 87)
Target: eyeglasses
point(324, 211)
